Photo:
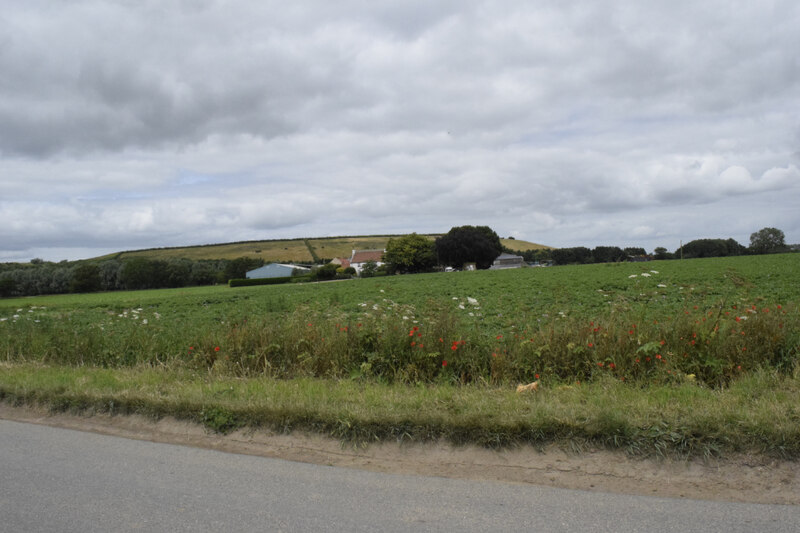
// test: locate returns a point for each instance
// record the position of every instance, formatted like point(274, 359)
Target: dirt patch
point(741, 479)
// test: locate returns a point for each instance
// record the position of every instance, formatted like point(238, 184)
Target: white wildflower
point(632, 276)
point(15, 317)
point(405, 317)
point(461, 306)
point(382, 290)
point(3, 319)
point(662, 285)
point(19, 310)
point(742, 318)
point(472, 301)
point(645, 275)
point(654, 271)
point(144, 321)
point(472, 314)
point(455, 297)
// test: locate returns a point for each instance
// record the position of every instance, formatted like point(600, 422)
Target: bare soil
point(743, 478)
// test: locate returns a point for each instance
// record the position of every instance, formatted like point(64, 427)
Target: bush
point(243, 282)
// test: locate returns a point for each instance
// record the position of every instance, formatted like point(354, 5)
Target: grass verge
point(757, 413)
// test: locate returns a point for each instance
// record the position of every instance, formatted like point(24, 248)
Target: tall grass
point(432, 343)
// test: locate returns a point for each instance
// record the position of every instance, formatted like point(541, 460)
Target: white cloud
point(152, 123)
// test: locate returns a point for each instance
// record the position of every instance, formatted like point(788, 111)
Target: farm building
point(341, 261)
point(276, 270)
point(507, 261)
point(359, 257)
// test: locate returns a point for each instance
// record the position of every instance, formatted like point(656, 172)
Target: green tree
point(608, 254)
point(767, 241)
point(711, 248)
point(369, 269)
point(139, 273)
point(568, 256)
point(325, 272)
point(469, 244)
point(238, 268)
point(635, 251)
point(86, 278)
point(7, 285)
point(410, 254)
point(662, 253)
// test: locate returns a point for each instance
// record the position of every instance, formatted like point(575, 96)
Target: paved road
point(61, 480)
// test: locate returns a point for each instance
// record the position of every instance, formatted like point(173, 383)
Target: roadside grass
point(757, 413)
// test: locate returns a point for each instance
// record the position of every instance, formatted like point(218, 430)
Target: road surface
point(54, 479)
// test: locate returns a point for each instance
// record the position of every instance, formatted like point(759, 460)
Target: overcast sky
point(134, 124)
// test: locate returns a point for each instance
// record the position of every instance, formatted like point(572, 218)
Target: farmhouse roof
point(341, 261)
point(362, 256)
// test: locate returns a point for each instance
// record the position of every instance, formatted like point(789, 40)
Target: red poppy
point(444, 363)
point(536, 376)
point(591, 345)
point(216, 348)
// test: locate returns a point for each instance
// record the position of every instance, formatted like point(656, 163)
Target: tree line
point(42, 277)
point(763, 241)
point(480, 245)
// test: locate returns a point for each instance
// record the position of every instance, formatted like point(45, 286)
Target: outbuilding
point(504, 261)
point(277, 270)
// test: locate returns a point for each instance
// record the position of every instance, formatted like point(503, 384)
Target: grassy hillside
point(296, 250)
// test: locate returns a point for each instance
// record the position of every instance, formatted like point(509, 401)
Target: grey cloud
point(189, 122)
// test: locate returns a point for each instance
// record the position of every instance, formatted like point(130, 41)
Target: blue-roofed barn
point(276, 270)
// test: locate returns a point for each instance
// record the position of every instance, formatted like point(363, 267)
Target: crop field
point(688, 358)
point(706, 320)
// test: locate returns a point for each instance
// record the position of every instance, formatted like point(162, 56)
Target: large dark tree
point(569, 256)
point(469, 244)
point(710, 248)
point(767, 241)
point(608, 254)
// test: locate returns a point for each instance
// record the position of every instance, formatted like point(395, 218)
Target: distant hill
point(294, 250)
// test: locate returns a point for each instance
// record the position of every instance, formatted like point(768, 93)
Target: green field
point(690, 331)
